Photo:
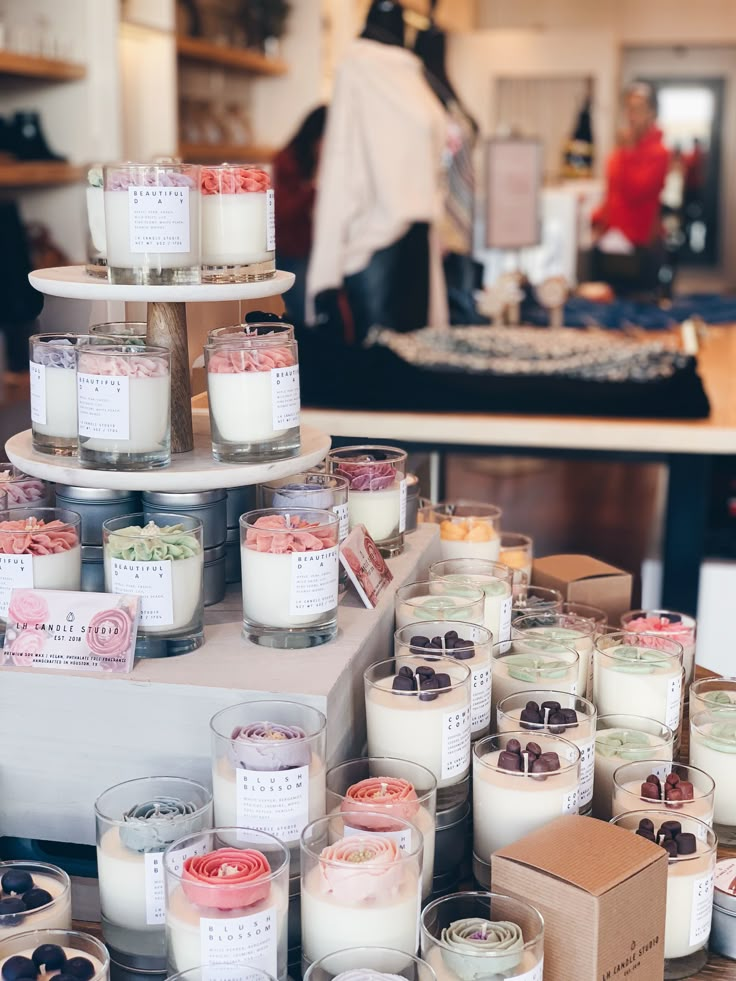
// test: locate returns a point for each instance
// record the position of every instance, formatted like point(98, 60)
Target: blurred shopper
point(629, 249)
point(294, 178)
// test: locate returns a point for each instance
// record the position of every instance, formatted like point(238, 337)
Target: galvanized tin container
point(209, 506)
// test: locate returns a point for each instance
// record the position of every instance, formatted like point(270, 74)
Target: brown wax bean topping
point(686, 843)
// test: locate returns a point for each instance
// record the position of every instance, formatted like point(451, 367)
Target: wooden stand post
point(167, 327)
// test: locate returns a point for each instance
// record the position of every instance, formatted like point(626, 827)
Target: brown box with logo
point(583, 579)
point(601, 891)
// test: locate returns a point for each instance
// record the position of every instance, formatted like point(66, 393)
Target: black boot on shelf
point(27, 140)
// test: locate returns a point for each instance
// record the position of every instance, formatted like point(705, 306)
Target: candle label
point(571, 801)
point(155, 889)
point(480, 705)
point(702, 909)
point(276, 801)
point(158, 219)
point(674, 692)
point(16, 572)
point(402, 506)
point(587, 769)
point(589, 682)
point(103, 403)
point(285, 397)
point(402, 838)
point(176, 859)
point(314, 578)
point(504, 620)
point(455, 742)
point(341, 510)
point(38, 392)
point(270, 220)
point(152, 582)
point(251, 940)
point(536, 973)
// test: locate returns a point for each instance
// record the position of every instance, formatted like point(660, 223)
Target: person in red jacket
point(628, 221)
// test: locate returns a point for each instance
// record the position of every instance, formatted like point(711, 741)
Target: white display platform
point(67, 736)
point(193, 471)
point(73, 283)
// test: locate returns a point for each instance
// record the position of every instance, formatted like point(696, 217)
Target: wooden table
point(687, 447)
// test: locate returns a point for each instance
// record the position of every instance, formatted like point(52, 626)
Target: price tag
point(152, 582)
point(38, 392)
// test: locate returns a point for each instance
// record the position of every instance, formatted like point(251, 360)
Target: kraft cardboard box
point(583, 579)
point(601, 891)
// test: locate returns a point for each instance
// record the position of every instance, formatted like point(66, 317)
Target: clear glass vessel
point(364, 962)
point(119, 332)
point(567, 629)
point(238, 224)
point(436, 599)
point(493, 578)
point(53, 377)
point(623, 739)
point(54, 914)
point(74, 945)
point(468, 530)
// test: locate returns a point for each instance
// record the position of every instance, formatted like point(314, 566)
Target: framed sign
point(513, 185)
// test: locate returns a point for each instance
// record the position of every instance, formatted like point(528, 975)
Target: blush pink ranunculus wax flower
point(108, 633)
point(392, 796)
point(27, 644)
point(227, 878)
point(27, 607)
point(361, 868)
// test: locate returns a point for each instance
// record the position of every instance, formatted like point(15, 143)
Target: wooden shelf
point(237, 59)
point(215, 153)
point(39, 173)
point(32, 66)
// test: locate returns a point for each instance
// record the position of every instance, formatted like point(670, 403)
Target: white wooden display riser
point(67, 736)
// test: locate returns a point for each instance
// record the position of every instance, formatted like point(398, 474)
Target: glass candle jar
point(376, 491)
point(152, 223)
point(37, 896)
point(567, 629)
point(535, 599)
point(238, 224)
point(423, 717)
point(691, 850)
point(598, 616)
point(471, 935)
point(227, 899)
point(713, 749)
point(53, 377)
point(136, 821)
point(624, 739)
point(272, 748)
point(161, 561)
point(311, 489)
point(249, 329)
point(39, 549)
point(119, 332)
point(369, 964)
point(90, 958)
point(223, 972)
point(124, 406)
point(96, 238)
point(358, 888)
point(517, 789)
point(391, 788)
point(468, 530)
point(651, 625)
point(672, 787)
point(466, 642)
point(633, 677)
point(259, 370)
point(716, 695)
point(517, 552)
point(21, 490)
point(289, 561)
point(436, 599)
point(493, 578)
point(560, 714)
point(532, 664)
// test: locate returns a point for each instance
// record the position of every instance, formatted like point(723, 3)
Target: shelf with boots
point(35, 67)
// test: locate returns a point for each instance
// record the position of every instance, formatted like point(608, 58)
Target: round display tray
point(72, 282)
point(194, 471)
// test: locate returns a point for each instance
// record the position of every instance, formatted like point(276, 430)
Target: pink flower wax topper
point(281, 534)
point(361, 868)
point(227, 878)
point(232, 358)
point(234, 180)
point(34, 536)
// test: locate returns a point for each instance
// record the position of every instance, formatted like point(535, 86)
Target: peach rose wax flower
point(361, 869)
point(393, 795)
point(228, 878)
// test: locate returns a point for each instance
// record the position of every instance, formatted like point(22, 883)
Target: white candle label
point(341, 510)
point(38, 392)
point(589, 682)
point(674, 691)
point(702, 909)
point(536, 974)
point(270, 221)
point(251, 940)
point(455, 742)
point(276, 801)
point(103, 403)
point(661, 770)
point(285, 397)
point(504, 621)
point(175, 861)
point(402, 506)
point(314, 578)
point(159, 219)
point(587, 769)
point(571, 801)
point(480, 704)
point(16, 572)
point(152, 582)
point(155, 889)
point(402, 838)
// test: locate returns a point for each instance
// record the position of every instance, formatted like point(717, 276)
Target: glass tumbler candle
point(672, 787)
point(124, 406)
point(161, 561)
point(253, 392)
point(594, 613)
point(369, 964)
point(22, 491)
point(53, 376)
point(493, 578)
point(716, 695)
point(152, 223)
point(268, 768)
point(535, 599)
point(376, 477)
point(311, 489)
point(468, 530)
point(691, 850)
point(290, 571)
point(532, 664)
point(37, 896)
point(713, 749)
point(517, 552)
point(227, 900)
point(136, 821)
point(655, 624)
point(567, 629)
point(472, 935)
point(70, 953)
point(359, 888)
point(521, 781)
point(435, 599)
point(624, 739)
point(118, 332)
point(391, 788)
point(238, 224)
point(96, 237)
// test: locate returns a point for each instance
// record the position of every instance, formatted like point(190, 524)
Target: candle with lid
point(713, 749)
point(674, 787)
point(33, 896)
point(567, 629)
point(238, 224)
point(369, 964)
point(53, 378)
point(624, 739)
point(468, 530)
point(493, 578)
point(651, 625)
point(435, 599)
point(46, 954)
point(528, 664)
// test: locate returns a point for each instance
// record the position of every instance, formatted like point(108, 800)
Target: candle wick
point(287, 519)
point(384, 789)
point(484, 931)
